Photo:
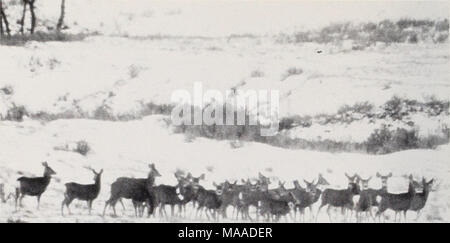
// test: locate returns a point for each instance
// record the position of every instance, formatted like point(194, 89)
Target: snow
point(125, 149)
point(149, 49)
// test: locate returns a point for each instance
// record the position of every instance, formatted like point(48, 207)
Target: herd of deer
point(271, 204)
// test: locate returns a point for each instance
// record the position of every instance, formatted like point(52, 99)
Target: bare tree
point(33, 15)
point(3, 19)
point(61, 16)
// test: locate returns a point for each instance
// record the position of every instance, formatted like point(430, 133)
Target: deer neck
point(150, 179)
point(98, 183)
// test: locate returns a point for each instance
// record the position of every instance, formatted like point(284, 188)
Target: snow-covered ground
point(125, 149)
point(148, 49)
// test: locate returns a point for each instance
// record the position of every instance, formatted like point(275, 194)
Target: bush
point(383, 140)
point(19, 39)
point(82, 148)
point(7, 90)
point(291, 72)
point(16, 113)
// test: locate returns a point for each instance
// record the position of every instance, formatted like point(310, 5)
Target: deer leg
point(172, 210)
point(38, 201)
point(318, 211)
point(90, 206)
point(121, 202)
point(328, 212)
point(418, 215)
point(104, 209)
point(404, 213)
point(135, 205)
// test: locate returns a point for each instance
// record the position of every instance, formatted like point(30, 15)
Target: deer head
point(153, 171)
point(384, 179)
point(48, 171)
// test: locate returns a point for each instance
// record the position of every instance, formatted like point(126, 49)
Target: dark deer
point(34, 186)
point(420, 199)
point(305, 197)
point(397, 202)
point(374, 193)
point(139, 190)
point(229, 196)
point(250, 195)
point(273, 204)
point(168, 195)
point(209, 200)
point(340, 198)
point(185, 191)
point(81, 192)
point(365, 203)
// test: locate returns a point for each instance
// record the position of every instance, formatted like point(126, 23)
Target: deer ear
point(306, 181)
point(242, 180)
point(378, 175)
point(346, 175)
point(202, 177)
point(430, 182)
point(101, 171)
point(390, 174)
point(369, 178)
point(214, 184)
point(44, 164)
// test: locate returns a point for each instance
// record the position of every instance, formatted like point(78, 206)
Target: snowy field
point(125, 149)
point(145, 50)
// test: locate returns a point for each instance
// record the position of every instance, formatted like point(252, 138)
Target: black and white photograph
point(224, 111)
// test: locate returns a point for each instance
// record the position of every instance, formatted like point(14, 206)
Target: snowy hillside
point(125, 149)
point(340, 85)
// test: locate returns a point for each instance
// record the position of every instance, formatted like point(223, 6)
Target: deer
point(273, 209)
point(305, 197)
point(168, 195)
point(195, 183)
point(34, 186)
point(397, 202)
point(209, 200)
point(139, 190)
point(374, 193)
point(229, 196)
point(250, 195)
point(185, 191)
point(3, 19)
point(81, 192)
point(340, 198)
point(420, 199)
point(365, 203)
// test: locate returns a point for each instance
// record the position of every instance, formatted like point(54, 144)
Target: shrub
point(383, 140)
point(82, 148)
point(7, 90)
point(442, 25)
point(257, 74)
point(16, 113)
point(291, 72)
point(19, 39)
